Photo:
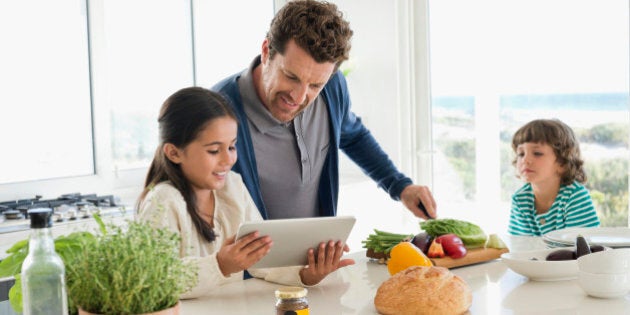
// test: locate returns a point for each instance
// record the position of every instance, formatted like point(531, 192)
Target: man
point(294, 114)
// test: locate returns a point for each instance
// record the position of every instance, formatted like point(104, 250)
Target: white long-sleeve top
point(164, 207)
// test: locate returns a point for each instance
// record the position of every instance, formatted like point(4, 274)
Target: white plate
point(605, 236)
point(540, 269)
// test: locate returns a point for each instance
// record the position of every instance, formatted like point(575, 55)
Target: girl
point(548, 160)
point(190, 190)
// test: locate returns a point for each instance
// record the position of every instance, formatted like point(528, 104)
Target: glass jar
point(291, 301)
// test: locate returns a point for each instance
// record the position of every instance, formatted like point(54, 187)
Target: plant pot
point(169, 311)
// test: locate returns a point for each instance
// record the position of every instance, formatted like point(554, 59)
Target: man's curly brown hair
point(561, 138)
point(317, 27)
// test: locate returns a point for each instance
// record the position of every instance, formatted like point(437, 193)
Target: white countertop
point(351, 290)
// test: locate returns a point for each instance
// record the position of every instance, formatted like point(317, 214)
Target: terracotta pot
point(169, 311)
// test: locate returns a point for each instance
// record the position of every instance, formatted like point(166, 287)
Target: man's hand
point(327, 261)
point(235, 256)
point(413, 195)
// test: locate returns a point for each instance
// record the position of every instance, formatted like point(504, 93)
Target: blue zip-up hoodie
point(347, 134)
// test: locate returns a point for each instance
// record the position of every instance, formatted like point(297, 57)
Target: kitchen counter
point(351, 290)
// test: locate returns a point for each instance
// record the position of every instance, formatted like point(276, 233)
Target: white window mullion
point(487, 152)
point(420, 105)
point(405, 109)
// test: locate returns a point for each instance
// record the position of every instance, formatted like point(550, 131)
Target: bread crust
point(420, 290)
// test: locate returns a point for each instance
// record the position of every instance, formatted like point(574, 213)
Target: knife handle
point(424, 209)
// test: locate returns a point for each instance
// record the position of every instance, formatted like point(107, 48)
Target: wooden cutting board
point(474, 256)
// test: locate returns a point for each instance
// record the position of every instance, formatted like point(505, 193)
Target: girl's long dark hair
point(182, 116)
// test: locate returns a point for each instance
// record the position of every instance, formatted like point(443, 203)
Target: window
point(45, 116)
point(483, 66)
point(227, 40)
point(89, 121)
point(146, 56)
point(496, 65)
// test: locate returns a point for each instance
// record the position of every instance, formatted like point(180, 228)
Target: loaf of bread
point(423, 290)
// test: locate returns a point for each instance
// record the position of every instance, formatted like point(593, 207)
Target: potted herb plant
point(134, 269)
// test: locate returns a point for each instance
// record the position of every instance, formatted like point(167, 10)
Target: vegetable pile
point(471, 234)
point(439, 238)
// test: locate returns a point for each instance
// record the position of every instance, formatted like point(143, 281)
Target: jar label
point(298, 312)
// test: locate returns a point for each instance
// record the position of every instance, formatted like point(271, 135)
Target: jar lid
point(40, 218)
point(291, 292)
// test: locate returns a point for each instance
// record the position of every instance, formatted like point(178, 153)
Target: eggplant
point(423, 241)
point(561, 254)
point(596, 248)
point(581, 247)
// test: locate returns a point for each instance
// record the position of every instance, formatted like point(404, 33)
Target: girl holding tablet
point(191, 190)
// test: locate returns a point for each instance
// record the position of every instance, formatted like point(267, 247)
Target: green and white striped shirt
point(573, 207)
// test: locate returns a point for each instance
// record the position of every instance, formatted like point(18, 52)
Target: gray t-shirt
point(289, 156)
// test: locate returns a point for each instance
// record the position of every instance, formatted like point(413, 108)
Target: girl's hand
point(237, 255)
point(328, 260)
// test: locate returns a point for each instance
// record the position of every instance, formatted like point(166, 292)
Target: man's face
point(289, 83)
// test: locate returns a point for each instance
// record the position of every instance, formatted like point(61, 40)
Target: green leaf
point(17, 246)
point(471, 234)
point(12, 264)
point(15, 294)
point(101, 224)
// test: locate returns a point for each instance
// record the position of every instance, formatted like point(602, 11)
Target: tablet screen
point(293, 237)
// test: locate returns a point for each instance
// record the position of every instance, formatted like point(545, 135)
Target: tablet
point(293, 237)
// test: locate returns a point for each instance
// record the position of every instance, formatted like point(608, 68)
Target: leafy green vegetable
point(494, 241)
point(135, 270)
point(121, 271)
point(471, 234)
point(15, 294)
point(17, 246)
point(12, 264)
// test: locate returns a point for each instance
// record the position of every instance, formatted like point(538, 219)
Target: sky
point(534, 46)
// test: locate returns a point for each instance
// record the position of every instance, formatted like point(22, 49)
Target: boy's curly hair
point(561, 138)
point(317, 27)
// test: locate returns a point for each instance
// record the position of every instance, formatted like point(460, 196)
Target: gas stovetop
point(66, 208)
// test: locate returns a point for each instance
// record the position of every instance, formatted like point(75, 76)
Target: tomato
point(453, 245)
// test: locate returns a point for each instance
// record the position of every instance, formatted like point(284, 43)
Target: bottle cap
point(40, 218)
point(291, 292)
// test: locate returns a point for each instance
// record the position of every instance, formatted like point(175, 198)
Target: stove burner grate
point(18, 209)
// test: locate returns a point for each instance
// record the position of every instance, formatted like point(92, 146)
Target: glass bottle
point(43, 271)
point(291, 301)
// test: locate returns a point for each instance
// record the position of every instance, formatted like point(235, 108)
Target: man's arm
point(359, 144)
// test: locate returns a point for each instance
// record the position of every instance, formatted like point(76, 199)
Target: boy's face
point(536, 163)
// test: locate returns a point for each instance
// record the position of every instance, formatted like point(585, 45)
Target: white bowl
point(612, 261)
point(604, 285)
point(532, 264)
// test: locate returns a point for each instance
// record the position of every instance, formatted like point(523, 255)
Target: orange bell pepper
point(404, 255)
point(436, 250)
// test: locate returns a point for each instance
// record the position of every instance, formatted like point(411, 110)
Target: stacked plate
point(615, 237)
